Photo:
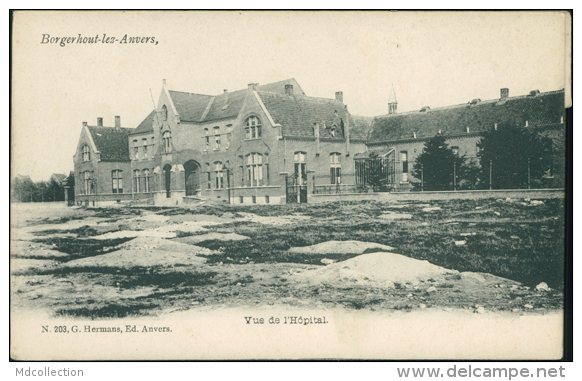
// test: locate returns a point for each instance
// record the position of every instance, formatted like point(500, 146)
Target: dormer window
point(86, 153)
point(333, 130)
point(164, 113)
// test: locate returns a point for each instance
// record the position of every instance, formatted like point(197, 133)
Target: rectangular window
point(241, 199)
point(146, 180)
point(219, 175)
point(267, 199)
point(208, 178)
point(228, 135)
point(136, 181)
point(116, 181)
point(266, 170)
point(254, 199)
point(216, 138)
point(145, 147)
point(335, 167)
point(135, 149)
point(404, 159)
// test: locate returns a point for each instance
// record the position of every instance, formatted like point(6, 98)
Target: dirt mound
point(24, 264)
point(128, 258)
point(194, 239)
point(341, 247)
point(386, 268)
point(33, 249)
point(155, 243)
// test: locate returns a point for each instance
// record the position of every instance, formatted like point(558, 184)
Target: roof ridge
point(187, 92)
point(488, 101)
point(303, 97)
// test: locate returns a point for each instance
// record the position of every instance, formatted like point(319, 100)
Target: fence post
point(454, 176)
point(490, 173)
point(528, 175)
point(422, 177)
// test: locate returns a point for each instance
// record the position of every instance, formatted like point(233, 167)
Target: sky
point(431, 58)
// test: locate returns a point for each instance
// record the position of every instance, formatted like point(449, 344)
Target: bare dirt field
point(479, 256)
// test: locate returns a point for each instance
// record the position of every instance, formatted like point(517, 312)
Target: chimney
point(164, 82)
point(225, 96)
point(99, 122)
point(253, 86)
point(289, 89)
point(504, 93)
point(339, 96)
point(117, 122)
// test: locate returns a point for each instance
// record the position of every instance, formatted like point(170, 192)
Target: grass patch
point(109, 311)
point(169, 280)
point(81, 248)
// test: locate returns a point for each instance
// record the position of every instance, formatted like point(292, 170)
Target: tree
point(437, 165)
point(513, 157)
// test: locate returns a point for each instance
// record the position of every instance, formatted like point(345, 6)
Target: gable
point(111, 142)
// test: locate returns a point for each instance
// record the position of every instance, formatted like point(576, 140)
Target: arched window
point(253, 128)
point(219, 175)
point(335, 167)
point(136, 176)
point(86, 153)
point(167, 142)
point(254, 164)
point(116, 181)
point(164, 113)
point(146, 180)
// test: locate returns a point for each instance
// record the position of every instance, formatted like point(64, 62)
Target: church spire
point(392, 102)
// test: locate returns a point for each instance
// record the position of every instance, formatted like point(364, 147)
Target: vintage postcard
point(203, 185)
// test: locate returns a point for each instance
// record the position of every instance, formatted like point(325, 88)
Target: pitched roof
point(479, 116)
point(205, 108)
point(279, 87)
point(111, 142)
point(146, 125)
point(298, 115)
point(190, 106)
point(226, 105)
point(59, 177)
point(360, 127)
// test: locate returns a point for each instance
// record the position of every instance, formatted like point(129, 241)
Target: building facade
point(267, 144)
point(396, 140)
point(273, 144)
